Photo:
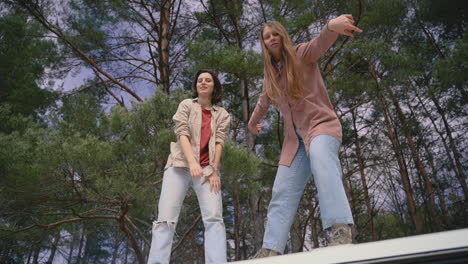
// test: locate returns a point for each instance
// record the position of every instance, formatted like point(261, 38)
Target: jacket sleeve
point(181, 118)
point(311, 51)
point(222, 128)
point(260, 109)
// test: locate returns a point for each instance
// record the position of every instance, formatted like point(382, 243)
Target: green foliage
point(89, 165)
point(451, 73)
point(451, 16)
point(389, 223)
point(225, 58)
point(24, 58)
point(240, 167)
point(11, 121)
point(91, 22)
point(384, 15)
point(101, 168)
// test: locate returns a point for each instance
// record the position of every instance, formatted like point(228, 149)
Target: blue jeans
point(175, 185)
point(324, 164)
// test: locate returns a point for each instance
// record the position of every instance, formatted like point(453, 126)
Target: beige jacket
point(313, 114)
point(187, 121)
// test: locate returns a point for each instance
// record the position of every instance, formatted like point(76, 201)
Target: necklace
point(278, 65)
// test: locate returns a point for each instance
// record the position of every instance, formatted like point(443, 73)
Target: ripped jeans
point(176, 183)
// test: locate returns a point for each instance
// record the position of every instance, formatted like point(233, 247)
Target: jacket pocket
point(176, 152)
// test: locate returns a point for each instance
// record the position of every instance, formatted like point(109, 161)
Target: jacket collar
point(214, 107)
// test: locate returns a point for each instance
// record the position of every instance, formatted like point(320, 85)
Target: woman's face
point(272, 41)
point(205, 85)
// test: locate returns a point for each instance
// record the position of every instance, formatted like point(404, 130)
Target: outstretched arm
point(311, 51)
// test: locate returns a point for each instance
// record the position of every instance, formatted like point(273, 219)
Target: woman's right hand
point(256, 129)
point(344, 25)
point(195, 170)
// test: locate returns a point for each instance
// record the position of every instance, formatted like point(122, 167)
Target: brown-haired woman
point(292, 81)
point(201, 128)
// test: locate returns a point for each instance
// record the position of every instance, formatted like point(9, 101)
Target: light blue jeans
point(176, 183)
point(324, 164)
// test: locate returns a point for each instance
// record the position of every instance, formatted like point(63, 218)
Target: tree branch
point(187, 233)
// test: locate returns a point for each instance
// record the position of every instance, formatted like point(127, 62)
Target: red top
point(205, 137)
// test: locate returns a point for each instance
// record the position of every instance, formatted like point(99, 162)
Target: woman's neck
point(277, 64)
point(276, 56)
point(205, 102)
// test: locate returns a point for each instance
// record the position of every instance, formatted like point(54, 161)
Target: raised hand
point(344, 25)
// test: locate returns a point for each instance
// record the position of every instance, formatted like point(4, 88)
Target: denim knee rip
point(169, 224)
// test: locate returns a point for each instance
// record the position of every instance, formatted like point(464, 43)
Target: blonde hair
point(291, 63)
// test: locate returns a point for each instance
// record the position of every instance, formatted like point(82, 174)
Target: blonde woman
point(201, 127)
point(312, 133)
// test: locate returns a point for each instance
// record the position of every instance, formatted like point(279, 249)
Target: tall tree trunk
point(72, 246)
point(255, 198)
point(246, 113)
point(129, 235)
point(244, 245)
point(438, 185)
point(30, 253)
point(297, 234)
point(235, 10)
point(115, 250)
point(395, 195)
point(126, 253)
point(37, 250)
point(163, 48)
point(446, 147)
point(360, 160)
point(257, 219)
point(402, 167)
point(91, 238)
point(416, 157)
point(396, 148)
point(80, 247)
point(456, 154)
point(237, 224)
point(54, 248)
point(315, 231)
point(121, 220)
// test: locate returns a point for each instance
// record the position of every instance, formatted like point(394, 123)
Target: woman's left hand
point(344, 25)
point(215, 182)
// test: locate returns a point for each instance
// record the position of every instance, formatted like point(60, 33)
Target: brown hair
point(217, 89)
point(291, 63)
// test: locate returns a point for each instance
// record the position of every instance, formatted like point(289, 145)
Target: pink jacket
point(313, 114)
